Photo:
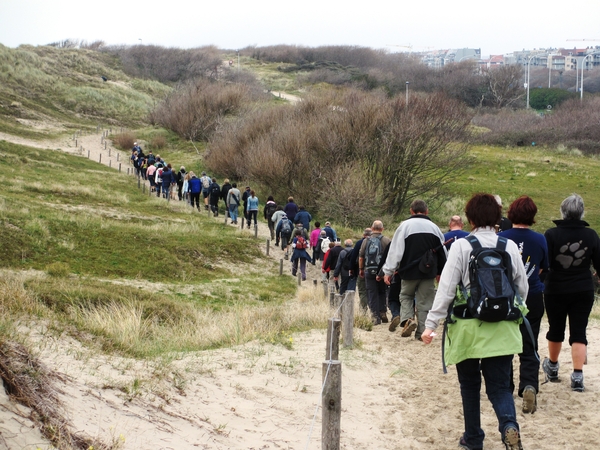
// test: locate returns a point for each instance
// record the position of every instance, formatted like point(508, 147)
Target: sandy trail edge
point(260, 396)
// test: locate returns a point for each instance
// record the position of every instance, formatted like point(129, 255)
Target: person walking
point(299, 254)
point(474, 345)
point(415, 237)
point(180, 179)
point(343, 268)
point(233, 203)
point(215, 195)
point(268, 211)
point(252, 208)
point(194, 189)
point(569, 289)
point(369, 259)
point(534, 254)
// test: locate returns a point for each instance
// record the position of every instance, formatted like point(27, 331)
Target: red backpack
point(301, 243)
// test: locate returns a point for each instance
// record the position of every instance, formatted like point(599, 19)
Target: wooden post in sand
point(268, 242)
point(280, 267)
point(348, 319)
point(299, 276)
point(119, 167)
point(88, 154)
point(331, 403)
point(110, 163)
point(325, 289)
point(332, 348)
point(139, 182)
point(75, 142)
point(255, 230)
point(337, 301)
point(331, 294)
point(104, 145)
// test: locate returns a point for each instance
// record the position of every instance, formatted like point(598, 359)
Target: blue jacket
point(194, 185)
point(291, 209)
point(167, 178)
point(304, 218)
point(330, 233)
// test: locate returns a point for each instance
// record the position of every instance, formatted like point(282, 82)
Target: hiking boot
point(394, 323)
point(384, 318)
point(577, 382)
point(551, 370)
point(529, 400)
point(512, 439)
point(463, 444)
point(409, 327)
point(286, 256)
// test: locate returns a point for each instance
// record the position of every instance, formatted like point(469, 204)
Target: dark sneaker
point(394, 323)
point(463, 444)
point(409, 327)
point(577, 382)
point(512, 439)
point(529, 400)
point(384, 318)
point(551, 370)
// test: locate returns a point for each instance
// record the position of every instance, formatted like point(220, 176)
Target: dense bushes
point(167, 65)
point(196, 109)
point(347, 153)
point(541, 98)
point(573, 123)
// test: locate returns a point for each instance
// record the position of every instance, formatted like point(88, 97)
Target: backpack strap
point(473, 241)
point(501, 244)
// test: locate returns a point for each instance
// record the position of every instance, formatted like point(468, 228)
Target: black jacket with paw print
point(572, 249)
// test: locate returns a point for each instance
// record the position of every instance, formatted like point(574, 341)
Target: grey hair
point(572, 208)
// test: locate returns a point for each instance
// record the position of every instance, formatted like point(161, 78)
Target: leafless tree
point(504, 85)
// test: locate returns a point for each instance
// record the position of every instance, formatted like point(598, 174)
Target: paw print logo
point(571, 254)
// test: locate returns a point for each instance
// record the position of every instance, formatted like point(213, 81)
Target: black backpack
point(216, 190)
point(373, 253)
point(492, 294)
point(347, 261)
point(271, 208)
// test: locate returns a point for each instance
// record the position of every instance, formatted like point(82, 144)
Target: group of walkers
point(549, 272)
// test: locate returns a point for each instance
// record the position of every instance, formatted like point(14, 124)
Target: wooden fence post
point(332, 349)
point(299, 275)
point(100, 158)
point(337, 302)
point(348, 319)
point(331, 405)
point(280, 267)
point(255, 230)
point(268, 241)
point(119, 167)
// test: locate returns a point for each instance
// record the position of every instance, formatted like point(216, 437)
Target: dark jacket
point(299, 253)
point(180, 176)
point(215, 192)
point(572, 248)
point(304, 218)
point(291, 209)
point(168, 177)
point(332, 259)
point(339, 265)
point(224, 191)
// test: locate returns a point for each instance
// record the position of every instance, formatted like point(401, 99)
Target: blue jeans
point(497, 374)
point(233, 212)
point(376, 293)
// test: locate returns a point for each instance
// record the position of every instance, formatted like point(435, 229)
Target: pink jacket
point(314, 237)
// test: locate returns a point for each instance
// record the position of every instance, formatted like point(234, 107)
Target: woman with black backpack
point(476, 346)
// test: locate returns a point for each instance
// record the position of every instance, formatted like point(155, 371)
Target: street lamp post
point(407, 83)
point(527, 83)
point(582, 67)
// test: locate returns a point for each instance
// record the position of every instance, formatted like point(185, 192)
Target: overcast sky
point(496, 27)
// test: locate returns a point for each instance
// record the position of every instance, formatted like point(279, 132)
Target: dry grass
point(28, 382)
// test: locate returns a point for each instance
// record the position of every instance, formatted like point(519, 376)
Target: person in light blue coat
point(252, 208)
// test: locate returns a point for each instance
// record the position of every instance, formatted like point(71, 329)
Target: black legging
point(195, 197)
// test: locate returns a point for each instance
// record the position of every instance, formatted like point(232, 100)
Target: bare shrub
point(346, 152)
point(158, 142)
point(168, 65)
point(124, 140)
point(572, 123)
point(197, 109)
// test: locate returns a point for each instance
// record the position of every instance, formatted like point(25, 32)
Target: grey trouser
point(362, 293)
point(423, 291)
